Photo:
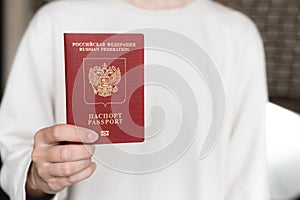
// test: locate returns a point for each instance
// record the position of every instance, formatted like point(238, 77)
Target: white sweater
point(35, 98)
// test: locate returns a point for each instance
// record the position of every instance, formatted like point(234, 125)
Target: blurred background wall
point(279, 24)
point(277, 20)
point(16, 15)
point(1, 46)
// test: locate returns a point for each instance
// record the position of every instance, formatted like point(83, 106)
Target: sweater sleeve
point(27, 105)
point(246, 168)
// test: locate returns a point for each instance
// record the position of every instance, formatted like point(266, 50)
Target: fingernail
point(93, 136)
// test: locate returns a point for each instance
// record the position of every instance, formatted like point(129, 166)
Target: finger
point(69, 153)
point(69, 133)
point(58, 183)
point(84, 174)
point(69, 168)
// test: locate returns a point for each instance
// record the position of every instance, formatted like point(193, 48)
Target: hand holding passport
point(105, 104)
point(56, 166)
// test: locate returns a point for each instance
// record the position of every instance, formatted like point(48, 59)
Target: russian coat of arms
point(104, 79)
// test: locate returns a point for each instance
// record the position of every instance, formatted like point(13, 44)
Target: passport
point(104, 76)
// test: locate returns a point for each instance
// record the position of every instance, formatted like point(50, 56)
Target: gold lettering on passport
point(104, 79)
point(104, 133)
point(105, 118)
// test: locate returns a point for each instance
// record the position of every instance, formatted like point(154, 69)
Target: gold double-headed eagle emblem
point(104, 79)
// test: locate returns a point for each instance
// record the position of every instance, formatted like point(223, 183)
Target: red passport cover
point(105, 85)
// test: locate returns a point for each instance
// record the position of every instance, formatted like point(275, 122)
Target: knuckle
point(36, 136)
point(67, 169)
point(56, 132)
point(65, 154)
point(35, 156)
